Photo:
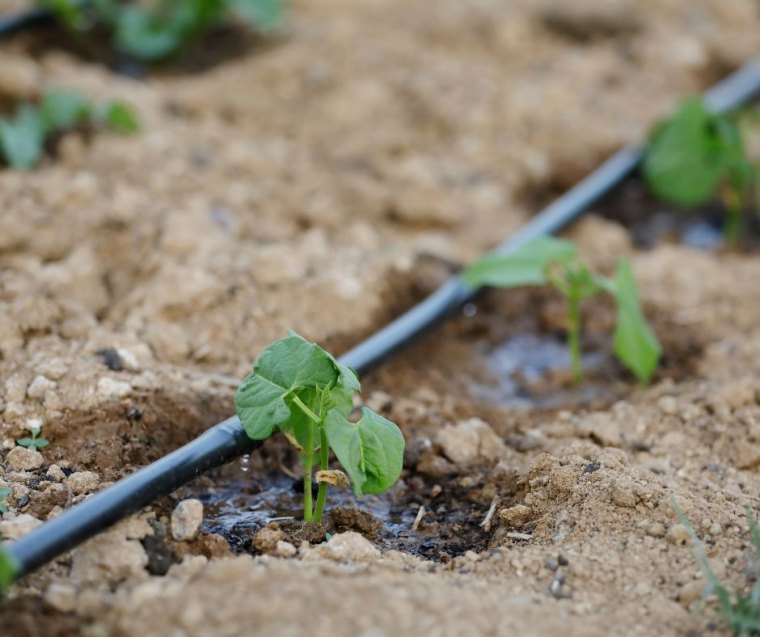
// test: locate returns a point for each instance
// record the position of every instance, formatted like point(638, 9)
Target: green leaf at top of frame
point(691, 154)
point(265, 15)
point(371, 450)
point(291, 366)
point(634, 342)
point(22, 138)
point(525, 265)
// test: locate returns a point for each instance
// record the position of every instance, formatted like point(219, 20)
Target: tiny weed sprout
point(555, 262)
point(4, 491)
point(33, 442)
point(739, 609)
point(698, 156)
point(299, 389)
point(156, 30)
point(23, 137)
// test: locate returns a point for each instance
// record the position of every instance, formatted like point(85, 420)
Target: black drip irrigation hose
point(227, 440)
point(13, 24)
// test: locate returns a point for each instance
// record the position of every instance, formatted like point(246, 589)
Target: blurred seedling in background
point(33, 442)
point(23, 137)
point(299, 389)
point(740, 609)
point(4, 491)
point(8, 569)
point(696, 157)
point(555, 262)
point(156, 30)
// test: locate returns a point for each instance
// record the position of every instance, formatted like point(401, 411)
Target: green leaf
point(689, 156)
point(118, 116)
point(286, 365)
point(635, 344)
point(25, 442)
point(67, 11)
point(8, 569)
point(524, 266)
point(146, 37)
point(371, 450)
point(62, 110)
point(41, 443)
point(266, 15)
point(22, 138)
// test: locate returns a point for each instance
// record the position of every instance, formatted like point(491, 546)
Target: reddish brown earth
point(324, 182)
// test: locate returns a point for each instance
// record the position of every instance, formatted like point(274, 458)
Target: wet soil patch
point(436, 519)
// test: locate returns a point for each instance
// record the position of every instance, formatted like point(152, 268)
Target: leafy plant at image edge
point(22, 138)
point(4, 491)
point(8, 569)
point(740, 610)
point(547, 260)
point(158, 30)
point(299, 389)
point(698, 155)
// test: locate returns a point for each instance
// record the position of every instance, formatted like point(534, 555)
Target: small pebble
point(82, 482)
point(55, 473)
point(23, 459)
point(678, 534)
point(61, 597)
point(39, 386)
point(186, 521)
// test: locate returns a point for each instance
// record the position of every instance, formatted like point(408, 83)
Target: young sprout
point(8, 569)
point(300, 390)
point(22, 138)
point(555, 262)
point(698, 156)
point(35, 443)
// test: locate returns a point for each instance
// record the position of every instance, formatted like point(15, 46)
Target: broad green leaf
point(635, 344)
point(286, 365)
point(8, 569)
point(118, 116)
point(22, 138)
point(690, 155)
point(266, 15)
point(64, 109)
point(524, 266)
point(371, 450)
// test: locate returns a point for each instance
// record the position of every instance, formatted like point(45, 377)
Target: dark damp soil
point(435, 518)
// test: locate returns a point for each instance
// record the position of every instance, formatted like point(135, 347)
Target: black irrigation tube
point(227, 440)
point(13, 24)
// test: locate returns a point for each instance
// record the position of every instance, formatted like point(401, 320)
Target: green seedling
point(33, 442)
point(160, 29)
point(4, 491)
point(8, 569)
point(555, 262)
point(698, 156)
point(300, 390)
point(740, 609)
point(22, 138)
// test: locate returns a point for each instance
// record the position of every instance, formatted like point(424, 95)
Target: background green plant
point(157, 30)
point(23, 136)
point(299, 389)
point(698, 156)
point(547, 260)
point(740, 609)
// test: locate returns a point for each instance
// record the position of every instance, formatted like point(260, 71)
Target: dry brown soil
point(324, 182)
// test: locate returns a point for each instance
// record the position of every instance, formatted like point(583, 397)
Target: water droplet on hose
point(245, 463)
point(469, 310)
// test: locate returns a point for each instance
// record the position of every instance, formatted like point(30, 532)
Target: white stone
point(470, 441)
point(39, 386)
point(348, 546)
point(82, 482)
point(109, 388)
point(186, 520)
point(19, 526)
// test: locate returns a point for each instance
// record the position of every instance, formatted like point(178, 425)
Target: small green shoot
point(33, 442)
point(555, 262)
point(698, 156)
point(8, 569)
point(739, 609)
point(22, 138)
point(157, 30)
point(300, 390)
point(4, 491)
